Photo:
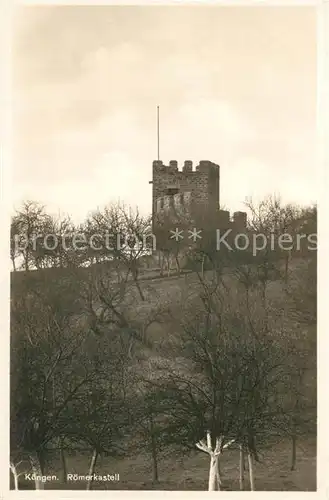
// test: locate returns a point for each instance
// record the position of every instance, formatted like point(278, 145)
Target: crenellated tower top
point(202, 182)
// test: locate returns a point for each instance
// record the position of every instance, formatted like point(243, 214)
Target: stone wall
point(202, 183)
point(191, 195)
point(179, 203)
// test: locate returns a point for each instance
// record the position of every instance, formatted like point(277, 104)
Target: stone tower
point(187, 189)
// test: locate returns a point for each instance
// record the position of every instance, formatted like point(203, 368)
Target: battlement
point(238, 221)
point(185, 190)
point(204, 166)
point(223, 218)
point(182, 203)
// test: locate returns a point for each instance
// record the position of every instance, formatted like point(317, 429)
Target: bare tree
point(233, 374)
point(206, 446)
point(119, 234)
point(29, 222)
point(49, 368)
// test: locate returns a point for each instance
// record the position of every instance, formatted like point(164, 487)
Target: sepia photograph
point(163, 248)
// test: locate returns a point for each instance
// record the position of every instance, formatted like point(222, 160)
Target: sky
point(235, 85)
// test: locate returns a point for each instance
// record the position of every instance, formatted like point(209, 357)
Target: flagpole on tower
point(158, 131)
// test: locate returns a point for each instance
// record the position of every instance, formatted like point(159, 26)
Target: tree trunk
point(251, 471)
point(14, 264)
point(139, 287)
point(264, 286)
point(213, 472)
point(15, 475)
point(247, 297)
point(163, 264)
point(252, 446)
point(177, 264)
point(92, 469)
point(63, 461)
point(286, 269)
point(37, 469)
point(218, 476)
point(161, 261)
point(241, 479)
point(26, 261)
point(293, 451)
point(155, 472)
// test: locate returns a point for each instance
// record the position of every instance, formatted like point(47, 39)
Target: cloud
point(235, 86)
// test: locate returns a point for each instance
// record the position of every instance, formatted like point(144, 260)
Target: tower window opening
point(172, 191)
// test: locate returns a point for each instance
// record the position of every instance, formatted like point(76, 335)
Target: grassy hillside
point(169, 298)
